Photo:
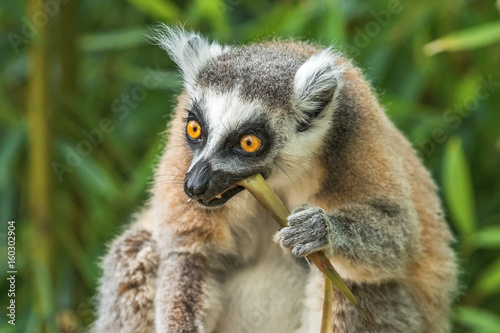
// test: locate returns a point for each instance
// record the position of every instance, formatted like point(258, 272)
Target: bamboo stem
point(39, 193)
point(327, 320)
point(259, 188)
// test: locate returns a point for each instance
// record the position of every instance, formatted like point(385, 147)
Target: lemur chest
point(266, 296)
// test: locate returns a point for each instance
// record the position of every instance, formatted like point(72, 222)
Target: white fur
point(318, 74)
point(270, 290)
point(212, 305)
point(313, 302)
point(189, 50)
point(274, 286)
point(300, 151)
point(223, 112)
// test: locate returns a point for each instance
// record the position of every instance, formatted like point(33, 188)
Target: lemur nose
point(196, 188)
point(197, 179)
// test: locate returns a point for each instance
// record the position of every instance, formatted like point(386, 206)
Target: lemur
point(200, 257)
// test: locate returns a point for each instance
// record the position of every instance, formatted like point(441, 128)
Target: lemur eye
point(193, 129)
point(250, 143)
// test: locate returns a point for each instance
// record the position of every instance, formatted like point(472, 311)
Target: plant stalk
point(259, 188)
point(327, 318)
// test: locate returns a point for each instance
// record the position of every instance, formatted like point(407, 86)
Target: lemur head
point(263, 108)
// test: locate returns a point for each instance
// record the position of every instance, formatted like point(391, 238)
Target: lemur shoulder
point(200, 257)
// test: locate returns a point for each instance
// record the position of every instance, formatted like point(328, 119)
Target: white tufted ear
point(189, 50)
point(314, 86)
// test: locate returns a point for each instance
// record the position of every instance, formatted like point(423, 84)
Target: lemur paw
point(306, 232)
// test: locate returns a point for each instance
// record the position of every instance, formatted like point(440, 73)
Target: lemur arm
point(184, 288)
point(127, 287)
point(143, 290)
point(375, 238)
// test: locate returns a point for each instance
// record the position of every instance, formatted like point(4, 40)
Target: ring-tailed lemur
point(200, 257)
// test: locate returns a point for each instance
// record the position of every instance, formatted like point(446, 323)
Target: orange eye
point(193, 129)
point(250, 143)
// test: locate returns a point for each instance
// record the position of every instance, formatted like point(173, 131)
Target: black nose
point(194, 188)
point(197, 180)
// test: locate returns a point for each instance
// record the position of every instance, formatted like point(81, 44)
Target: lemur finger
point(279, 238)
point(310, 232)
point(288, 236)
point(306, 249)
point(303, 216)
point(292, 237)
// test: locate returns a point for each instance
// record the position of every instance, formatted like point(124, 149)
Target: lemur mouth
point(222, 197)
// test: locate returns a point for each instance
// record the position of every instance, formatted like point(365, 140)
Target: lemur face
point(230, 139)
point(253, 109)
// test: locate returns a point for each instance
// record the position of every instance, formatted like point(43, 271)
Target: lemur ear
point(314, 87)
point(189, 50)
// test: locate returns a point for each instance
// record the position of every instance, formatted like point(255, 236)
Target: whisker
point(286, 174)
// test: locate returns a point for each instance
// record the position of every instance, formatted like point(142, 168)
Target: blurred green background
point(84, 101)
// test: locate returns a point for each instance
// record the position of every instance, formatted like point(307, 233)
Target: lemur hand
point(307, 231)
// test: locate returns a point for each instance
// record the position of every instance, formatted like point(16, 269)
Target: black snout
point(210, 188)
point(198, 179)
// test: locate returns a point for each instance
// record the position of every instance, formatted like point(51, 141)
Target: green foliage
point(480, 36)
point(478, 320)
point(489, 281)
point(457, 187)
point(111, 94)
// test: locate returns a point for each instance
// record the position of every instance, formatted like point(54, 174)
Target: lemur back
point(200, 257)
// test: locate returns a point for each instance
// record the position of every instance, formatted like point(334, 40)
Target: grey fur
point(306, 232)
point(389, 306)
point(377, 235)
point(267, 77)
point(127, 290)
point(367, 235)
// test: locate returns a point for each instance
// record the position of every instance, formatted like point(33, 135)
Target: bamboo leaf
point(9, 150)
point(160, 9)
point(489, 282)
point(457, 186)
point(331, 25)
point(114, 40)
point(468, 39)
point(7, 328)
point(488, 238)
point(215, 12)
point(478, 320)
point(297, 18)
point(94, 176)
